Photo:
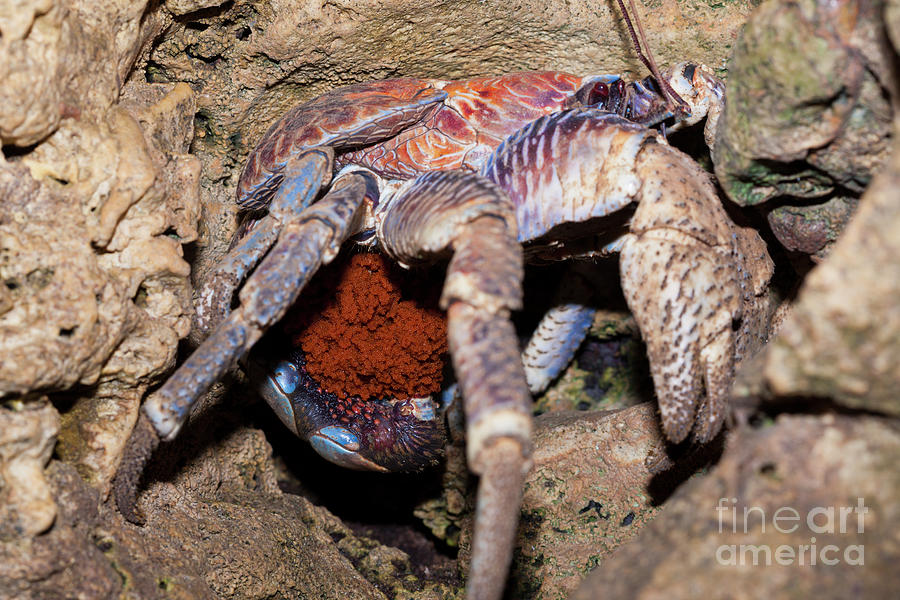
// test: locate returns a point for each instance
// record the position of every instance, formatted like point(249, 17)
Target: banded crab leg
point(560, 332)
point(310, 236)
point(465, 213)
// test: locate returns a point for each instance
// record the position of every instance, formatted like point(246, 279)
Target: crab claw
point(703, 92)
point(381, 435)
point(682, 281)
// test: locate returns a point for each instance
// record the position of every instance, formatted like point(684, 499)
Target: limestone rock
point(220, 528)
point(842, 339)
point(813, 470)
point(807, 134)
point(27, 435)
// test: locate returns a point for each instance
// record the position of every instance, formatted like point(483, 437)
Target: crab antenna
point(671, 95)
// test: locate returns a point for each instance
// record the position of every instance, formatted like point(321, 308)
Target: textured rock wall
point(804, 138)
point(97, 196)
point(801, 463)
point(842, 340)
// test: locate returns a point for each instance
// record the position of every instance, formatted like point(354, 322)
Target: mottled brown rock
point(812, 229)
point(807, 135)
point(219, 528)
point(587, 493)
point(802, 463)
point(94, 427)
point(63, 317)
point(33, 48)
point(96, 287)
point(590, 490)
point(93, 217)
point(804, 127)
point(66, 60)
point(27, 435)
point(892, 23)
point(73, 306)
point(183, 7)
point(842, 339)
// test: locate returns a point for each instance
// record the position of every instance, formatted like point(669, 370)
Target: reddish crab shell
point(459, 123)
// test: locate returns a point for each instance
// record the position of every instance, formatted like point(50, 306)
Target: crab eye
point(599, 94)
point(689, 71)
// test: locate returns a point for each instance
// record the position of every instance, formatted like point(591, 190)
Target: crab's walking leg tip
point(140, 447)
point(718, 362)
point(500, 488)
point(170, 406)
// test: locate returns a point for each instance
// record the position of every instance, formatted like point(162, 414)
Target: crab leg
point(559, 334)
point(474, 218)
point(682, 264)
point(308, 239)
point(215, 294)
point(311, 238)
point(681, 246)
point(305, 174)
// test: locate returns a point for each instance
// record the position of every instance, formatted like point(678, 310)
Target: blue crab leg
point(310, 237)
point(303, 179)
point(215, 294)
point(469, 215)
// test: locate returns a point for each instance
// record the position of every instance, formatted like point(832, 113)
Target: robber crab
point(474, 170)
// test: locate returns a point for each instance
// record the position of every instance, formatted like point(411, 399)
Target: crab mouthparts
point(341, 446)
